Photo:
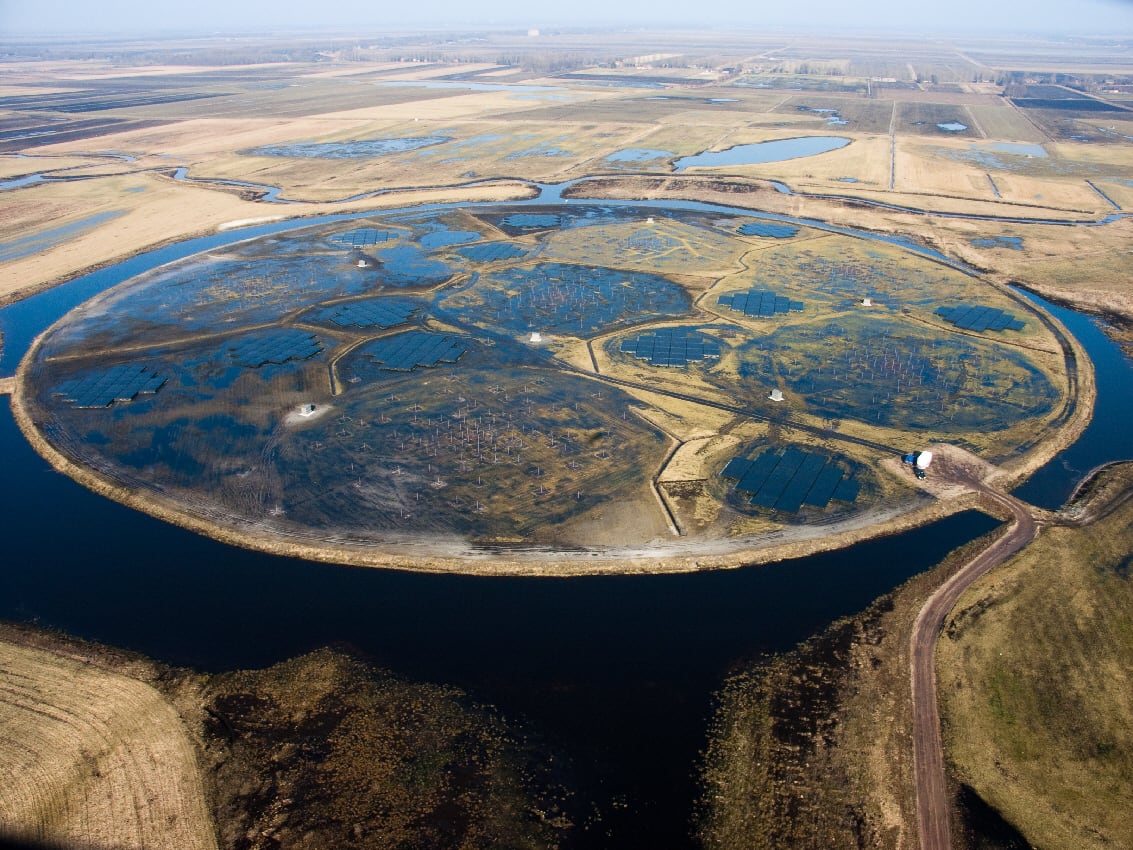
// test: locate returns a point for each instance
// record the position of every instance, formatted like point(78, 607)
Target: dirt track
point(933, 799)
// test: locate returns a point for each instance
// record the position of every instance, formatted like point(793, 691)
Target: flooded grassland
point(560, 388)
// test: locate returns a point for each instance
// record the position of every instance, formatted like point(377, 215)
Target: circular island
point(558, 389)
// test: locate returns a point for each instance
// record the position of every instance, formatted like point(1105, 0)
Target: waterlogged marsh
point(439, 381)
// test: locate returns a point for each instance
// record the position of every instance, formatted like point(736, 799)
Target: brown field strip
point(94, 759)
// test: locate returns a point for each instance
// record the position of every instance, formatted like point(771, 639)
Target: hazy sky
point(23, 17)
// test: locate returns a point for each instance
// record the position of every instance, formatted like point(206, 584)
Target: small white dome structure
point(776, 395)
point(536, 336)
point(867, 302)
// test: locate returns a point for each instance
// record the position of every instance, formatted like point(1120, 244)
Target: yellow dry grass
point(92, 759)
point(165, 211)
point(938, 169)
point(1112, 156)
point(1119, 191)
point(693, 460)
point(866, 159)
point(16, 166)
point(1005, 122)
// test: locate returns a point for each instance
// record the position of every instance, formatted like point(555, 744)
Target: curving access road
point(933, 800)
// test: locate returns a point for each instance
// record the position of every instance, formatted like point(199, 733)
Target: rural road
point(933, 799)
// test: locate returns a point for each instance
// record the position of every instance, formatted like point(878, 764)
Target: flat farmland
point(1005, 121)
point(865, 160)
point(935, 119)
point(659, 107)
point(956, 168)
point(861, 115)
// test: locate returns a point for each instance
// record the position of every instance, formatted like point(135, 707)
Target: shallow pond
point(761, 152)
point(361, 149)
point(28, 245)
point(639, 155)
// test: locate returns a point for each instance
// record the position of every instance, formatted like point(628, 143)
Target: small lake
point(763, 152)
point(1016, 148)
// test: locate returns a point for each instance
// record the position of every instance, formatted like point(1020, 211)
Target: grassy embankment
point(812, 748)
point(1036, 680)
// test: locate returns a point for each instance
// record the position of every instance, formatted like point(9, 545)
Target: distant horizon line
point(534, 30)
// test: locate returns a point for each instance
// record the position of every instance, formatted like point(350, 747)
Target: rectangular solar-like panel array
point(763, 228)
point(278, 347)
point(102, 389)
point(363, 237)
point(383, 313)
point(760, 303)
point(492, 252)
point(672, 347)
point(406, 351)
point(789, 480)
point(973, 317)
